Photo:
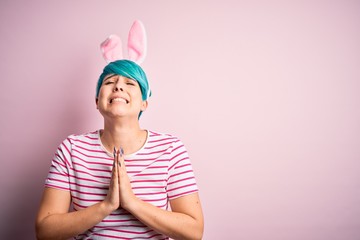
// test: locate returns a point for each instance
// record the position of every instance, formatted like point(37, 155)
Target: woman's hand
point(112, 199)
point(185, 221)
point(126, 193)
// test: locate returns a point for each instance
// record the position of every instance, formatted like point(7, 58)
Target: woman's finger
point(113, 196)
point(121, 159)
point(114, 174)
point(126, 193)
point(119, 155)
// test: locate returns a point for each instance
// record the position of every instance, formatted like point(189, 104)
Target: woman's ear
point(96, 102)
point(144, 105)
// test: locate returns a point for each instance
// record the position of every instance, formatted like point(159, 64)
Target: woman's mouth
point(118, 99)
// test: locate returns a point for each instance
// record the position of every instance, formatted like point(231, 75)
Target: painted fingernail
point(119, 153)
point(114, 151)
point(122, 151)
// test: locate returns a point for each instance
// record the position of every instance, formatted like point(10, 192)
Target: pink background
point(265, 95)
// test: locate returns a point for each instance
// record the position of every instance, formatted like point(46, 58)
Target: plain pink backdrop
point(264, 94)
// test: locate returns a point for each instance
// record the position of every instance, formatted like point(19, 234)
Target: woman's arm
point(185, 221)
point(54, 221)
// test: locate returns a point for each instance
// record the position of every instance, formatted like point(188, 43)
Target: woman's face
point(120, 96)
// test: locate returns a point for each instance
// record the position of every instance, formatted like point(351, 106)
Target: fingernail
point(119, 153)
point(122, 151)
point(114, 151)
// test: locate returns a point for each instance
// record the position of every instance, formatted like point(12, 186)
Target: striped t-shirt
point(158, 172)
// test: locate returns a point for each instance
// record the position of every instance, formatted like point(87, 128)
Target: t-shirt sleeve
point(58, 176)
point(181, 178)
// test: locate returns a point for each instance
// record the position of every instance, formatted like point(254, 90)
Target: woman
point(121, 180)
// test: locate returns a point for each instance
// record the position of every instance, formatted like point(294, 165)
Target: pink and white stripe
point(160, 171)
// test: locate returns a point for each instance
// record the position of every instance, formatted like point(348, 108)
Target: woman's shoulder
point(89, 137)
point(162, 138)
point(154, 135)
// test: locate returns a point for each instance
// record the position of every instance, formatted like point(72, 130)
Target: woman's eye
point(130, 83)
point(108, 82)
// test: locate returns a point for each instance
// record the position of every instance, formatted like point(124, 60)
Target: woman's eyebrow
point(132, 80)
point(109, 76)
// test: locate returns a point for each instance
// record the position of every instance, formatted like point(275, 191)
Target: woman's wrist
point(106, 208)
point(132, 204)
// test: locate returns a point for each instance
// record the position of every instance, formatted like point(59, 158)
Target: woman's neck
point(127, 135)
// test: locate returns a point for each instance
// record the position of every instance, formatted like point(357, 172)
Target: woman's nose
point(118, 88)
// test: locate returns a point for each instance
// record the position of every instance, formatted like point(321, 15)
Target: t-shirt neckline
point(127, 155)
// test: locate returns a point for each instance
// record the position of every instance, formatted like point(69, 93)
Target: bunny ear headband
point(137, 45)
point(111, 50)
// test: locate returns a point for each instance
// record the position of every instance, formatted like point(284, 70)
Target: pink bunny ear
point(111, 48)
point(137, 42)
